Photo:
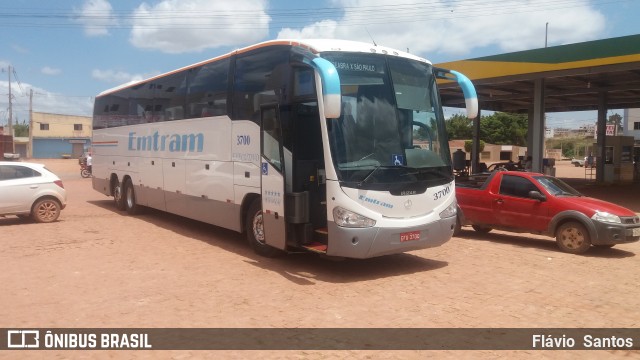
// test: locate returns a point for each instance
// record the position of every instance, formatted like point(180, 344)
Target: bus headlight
point(450, 211)
point(346, 218)
point(606, 217)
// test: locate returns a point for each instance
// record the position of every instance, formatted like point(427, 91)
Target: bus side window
point(207, 94)
point(271, 137)
point(140, 104)
point(169, 97)
point(265, 72)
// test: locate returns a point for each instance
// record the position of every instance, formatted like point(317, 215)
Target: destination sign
point(353, 66)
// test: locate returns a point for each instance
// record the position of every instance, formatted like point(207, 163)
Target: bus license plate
point(410, 236)
point(636, 232)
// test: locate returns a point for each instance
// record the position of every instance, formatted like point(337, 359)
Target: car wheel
point(46, 210)
point(573, 237)
point(24, 216)
point(255, 231)
point(118, 197)
point(481, 229)
point(130, 198)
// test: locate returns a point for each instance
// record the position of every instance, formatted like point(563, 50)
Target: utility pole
point(13, 149)
point(546, 32)
point(30, 145)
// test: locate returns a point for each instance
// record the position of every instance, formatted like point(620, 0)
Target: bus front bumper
point(364, 243)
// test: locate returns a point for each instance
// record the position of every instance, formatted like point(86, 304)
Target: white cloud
point(320, 29)
point(19, 49)
point(456, 27)
point(43, 101)
point(50, 71)
point(178, 26)
point(97, 17)
point(117, 77)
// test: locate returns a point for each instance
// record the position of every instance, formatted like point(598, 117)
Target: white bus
point(328, 146)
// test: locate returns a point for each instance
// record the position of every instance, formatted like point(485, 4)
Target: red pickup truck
point(528, 202)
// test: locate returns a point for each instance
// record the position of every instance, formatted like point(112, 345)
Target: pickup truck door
point(476, 205)
point(513, 208)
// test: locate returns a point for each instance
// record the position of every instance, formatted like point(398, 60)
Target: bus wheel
point(130, 198)
point(255, 231)
point(573, 237)
point(457, 227)
point(117, 195)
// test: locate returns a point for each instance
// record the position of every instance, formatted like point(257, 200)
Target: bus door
point(272, 177)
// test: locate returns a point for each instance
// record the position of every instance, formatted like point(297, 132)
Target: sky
point(68, 51)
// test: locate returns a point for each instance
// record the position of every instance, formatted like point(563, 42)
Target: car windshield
point(391, 128)
point(556, 187)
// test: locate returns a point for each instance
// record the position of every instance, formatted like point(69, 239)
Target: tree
point(21, 130)
point(469, 143)
point(500, 128)
point(504, 129)
point(616, 120)
point(459, 127)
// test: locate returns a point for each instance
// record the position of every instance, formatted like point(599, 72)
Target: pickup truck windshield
point(391, 129)
point(556, 187)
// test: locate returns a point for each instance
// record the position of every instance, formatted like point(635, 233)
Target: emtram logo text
point(164, 142)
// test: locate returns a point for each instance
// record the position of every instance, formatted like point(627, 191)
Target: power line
point(357, 16)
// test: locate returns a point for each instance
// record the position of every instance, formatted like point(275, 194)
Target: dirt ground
point(98, 268)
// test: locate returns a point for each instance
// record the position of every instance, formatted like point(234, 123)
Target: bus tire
point(255, 231)
point(457, 228)
point(130, 203)
point(118, 195)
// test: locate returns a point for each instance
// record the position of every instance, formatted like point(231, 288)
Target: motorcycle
point(85, 171)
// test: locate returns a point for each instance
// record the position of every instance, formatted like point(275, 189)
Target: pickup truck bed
point(528, 202)
point(577, 162)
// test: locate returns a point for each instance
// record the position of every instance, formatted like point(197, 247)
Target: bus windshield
point(391, 128)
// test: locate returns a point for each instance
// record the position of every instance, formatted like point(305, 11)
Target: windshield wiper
point(369, 175)
point(424, 171)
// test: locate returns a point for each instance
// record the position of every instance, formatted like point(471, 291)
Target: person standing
point(89, 161)
point(528, 163)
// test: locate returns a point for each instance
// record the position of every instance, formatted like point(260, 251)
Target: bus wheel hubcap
point(258, 228)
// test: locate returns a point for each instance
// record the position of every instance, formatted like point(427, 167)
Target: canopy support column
point(535, 135)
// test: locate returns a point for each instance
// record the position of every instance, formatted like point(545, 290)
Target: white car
point(28, 189)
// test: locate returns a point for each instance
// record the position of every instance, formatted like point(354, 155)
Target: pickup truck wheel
point(481, 229)
point(573, 237)
point(605, 246)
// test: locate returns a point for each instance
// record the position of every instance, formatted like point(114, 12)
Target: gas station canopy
point(575, 77)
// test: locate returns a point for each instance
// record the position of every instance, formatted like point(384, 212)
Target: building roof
point(575, 75)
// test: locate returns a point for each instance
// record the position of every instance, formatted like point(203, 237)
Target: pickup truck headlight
point(606, 217)
point(450, 211)
point(347, 218)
